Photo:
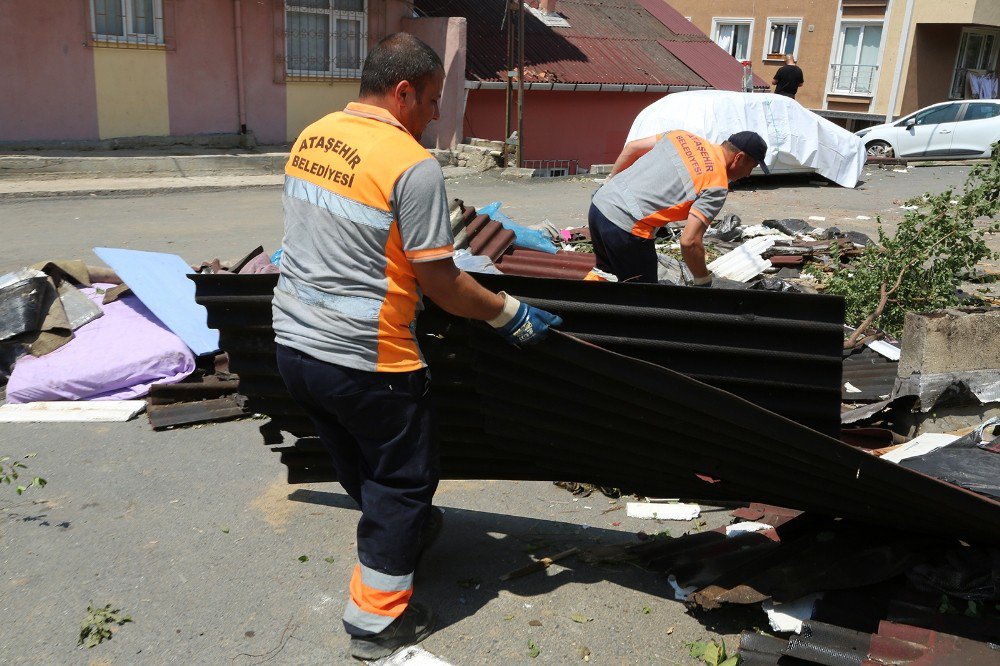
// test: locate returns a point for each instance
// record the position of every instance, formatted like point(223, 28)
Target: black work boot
point(413, 626)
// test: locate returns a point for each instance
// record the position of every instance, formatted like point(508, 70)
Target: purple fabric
point(116, 357)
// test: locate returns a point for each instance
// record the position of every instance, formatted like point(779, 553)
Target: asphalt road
point(200, 226)
point(195, 534)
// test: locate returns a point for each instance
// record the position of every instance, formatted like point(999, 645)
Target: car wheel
point(879, 149)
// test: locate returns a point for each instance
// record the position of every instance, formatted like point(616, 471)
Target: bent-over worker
point(366, 233)
point(672, 177)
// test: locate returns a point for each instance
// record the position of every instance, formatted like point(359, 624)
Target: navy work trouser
point(379, 430)
point(630, 258)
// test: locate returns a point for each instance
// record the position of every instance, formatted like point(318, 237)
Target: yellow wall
point(891, 35)
point(307, 101)
point(131, 92)
point(814, 47)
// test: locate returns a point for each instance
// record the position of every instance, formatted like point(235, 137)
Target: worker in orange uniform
point(671, 177)
point(366, 233)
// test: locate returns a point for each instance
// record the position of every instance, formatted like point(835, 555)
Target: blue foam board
point(160, 281)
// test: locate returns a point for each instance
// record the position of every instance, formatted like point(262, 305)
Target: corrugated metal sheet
point(711, 63)
point(609, 42)
point(870, 373)
point(567, 409)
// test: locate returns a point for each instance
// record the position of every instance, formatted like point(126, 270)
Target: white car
point(955, 130)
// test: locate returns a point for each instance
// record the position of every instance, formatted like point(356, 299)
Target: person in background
point(788, 79)
point(366, 234)
point(672, 177)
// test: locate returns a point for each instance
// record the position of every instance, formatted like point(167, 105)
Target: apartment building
point(864, 61)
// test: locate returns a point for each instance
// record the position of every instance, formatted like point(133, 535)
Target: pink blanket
point(115, 357)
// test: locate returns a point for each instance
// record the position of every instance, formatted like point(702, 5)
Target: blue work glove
point(521, 324)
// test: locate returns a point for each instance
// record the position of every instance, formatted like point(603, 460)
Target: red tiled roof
point(720, 69)
point(609, 41)
point(670, 17)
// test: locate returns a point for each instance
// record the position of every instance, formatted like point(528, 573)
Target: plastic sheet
point(21, 305)
point(533, 239)
point(795, 136)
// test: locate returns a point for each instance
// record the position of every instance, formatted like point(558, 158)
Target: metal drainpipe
point(890, 112)
point(241, 98)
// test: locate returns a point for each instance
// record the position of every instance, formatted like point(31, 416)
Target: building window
point(856, 68)
point(782, 38)
point(326, 39)
point(733, 36)
point(976, 52)
point(127, 22)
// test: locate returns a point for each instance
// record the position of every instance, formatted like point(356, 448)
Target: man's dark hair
point(398, 57)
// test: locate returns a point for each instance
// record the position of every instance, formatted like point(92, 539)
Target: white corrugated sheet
point(744, 262)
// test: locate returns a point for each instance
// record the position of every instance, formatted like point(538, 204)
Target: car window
point(981, 110)
point(940, 114)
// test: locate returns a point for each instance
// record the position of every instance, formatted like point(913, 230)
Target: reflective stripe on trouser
point(376, 599)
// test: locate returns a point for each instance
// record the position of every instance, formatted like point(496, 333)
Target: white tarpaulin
point(796, 137)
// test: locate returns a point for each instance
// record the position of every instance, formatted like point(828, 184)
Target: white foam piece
point(671, 511)
point(72, 411)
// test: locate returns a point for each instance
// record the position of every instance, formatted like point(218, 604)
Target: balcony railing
point(853, 79)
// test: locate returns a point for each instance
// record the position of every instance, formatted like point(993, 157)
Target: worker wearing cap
point(671, 177)
point(366, 233)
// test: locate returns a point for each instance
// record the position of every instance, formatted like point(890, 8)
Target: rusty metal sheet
point(188, 413)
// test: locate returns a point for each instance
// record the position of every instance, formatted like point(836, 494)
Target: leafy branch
point(12, 469)
point(937, 245)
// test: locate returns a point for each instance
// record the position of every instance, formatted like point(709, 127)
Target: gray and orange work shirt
point(363, 202)
point(683, 174)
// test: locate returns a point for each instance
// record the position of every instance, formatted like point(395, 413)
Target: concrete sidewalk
point(48, 175)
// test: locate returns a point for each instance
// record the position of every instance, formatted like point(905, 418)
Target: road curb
point(22, 167)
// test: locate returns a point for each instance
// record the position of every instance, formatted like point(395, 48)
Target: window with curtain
point(733, 37)
point(856, 68)
point(325, 38)
point(127, 21)
point(782, 38)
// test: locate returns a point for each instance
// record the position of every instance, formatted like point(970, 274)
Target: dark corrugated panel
point(711, 63)
point(869, 372)
point(569, 409)
point(780, 351)
point(608, 42)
